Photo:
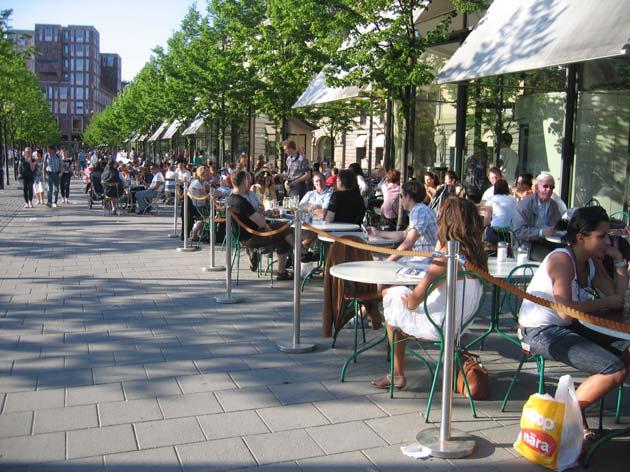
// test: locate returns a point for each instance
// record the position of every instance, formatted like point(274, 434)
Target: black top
point(348, 206)
point(243, 210)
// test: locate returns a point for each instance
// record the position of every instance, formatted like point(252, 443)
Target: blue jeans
point(53, 186)
point(143, 198)
point(577, 346)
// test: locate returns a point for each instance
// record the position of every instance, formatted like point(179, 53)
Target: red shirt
point(331, 181)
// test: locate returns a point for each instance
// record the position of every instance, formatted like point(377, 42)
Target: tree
point(24, 113)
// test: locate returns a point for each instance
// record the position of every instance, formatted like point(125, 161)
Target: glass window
point(63, 107)
point(78, 107)
point(87, 36)
point(78, 93)
point(66, 64)
point(65, 35)
point(66, 50)
point(63, 93)
point(79, 78)
point(79, 49)
point(77, 124)
point(80, 35)
point(48, 34)
point(602, 136)
point(66, 77)
point(79, 64)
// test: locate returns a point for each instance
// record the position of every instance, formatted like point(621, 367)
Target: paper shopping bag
point(551, 428)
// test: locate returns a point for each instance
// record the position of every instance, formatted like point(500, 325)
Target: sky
point(130, 28)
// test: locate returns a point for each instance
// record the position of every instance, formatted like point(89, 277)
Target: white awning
point(170, 132)
point(379, 141)
point(194, 126)
point(142, 138)
point(360, 141)
point(158, 132)
point(318, 92)
point(516, 36)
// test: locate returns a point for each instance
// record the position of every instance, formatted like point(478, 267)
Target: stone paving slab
point(113, 354)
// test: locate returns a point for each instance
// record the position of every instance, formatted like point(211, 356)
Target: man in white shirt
point(143, 197)
point(181, 172)
point(494, 174)
point(316, 201)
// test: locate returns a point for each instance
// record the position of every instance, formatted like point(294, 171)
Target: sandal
point(592, 435)
point(385, 381)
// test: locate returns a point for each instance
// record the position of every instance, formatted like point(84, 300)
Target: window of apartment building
point(66, 64)
point(63, 107)
point(65, 35)
point(47, 34)
point(78, 93)
point(79, 107)
point(80, 35)
point(77, 124)
point(79, 78)
point(66, 50)
point(79, 64)
point(87, 36)
point(63, 93)
point(66, 77)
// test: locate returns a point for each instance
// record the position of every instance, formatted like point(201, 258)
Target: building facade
point(75, 77)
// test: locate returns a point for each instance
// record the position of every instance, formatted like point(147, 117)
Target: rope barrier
point(264, 234)
point(558, 307)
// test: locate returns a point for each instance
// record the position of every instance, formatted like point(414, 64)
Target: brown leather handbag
point(476, 375)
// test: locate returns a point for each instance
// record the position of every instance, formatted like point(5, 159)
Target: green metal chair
point(519, 278)
point(434, 371)
point(621, 215)
point(238, 248)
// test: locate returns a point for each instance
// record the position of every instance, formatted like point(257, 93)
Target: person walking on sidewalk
point(38, 177)
point(27, 171)
point(52, 169)
point(66, 176)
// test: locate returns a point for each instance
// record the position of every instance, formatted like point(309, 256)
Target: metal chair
point(434, 371)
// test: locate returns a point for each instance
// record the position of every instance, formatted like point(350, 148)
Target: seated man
point(157, 183)
point(282, 243)
point(316, 201)
point(494, 174)
point(421, 234)
point(537, 216)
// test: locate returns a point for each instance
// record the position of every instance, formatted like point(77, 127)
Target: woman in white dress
point(404, 308)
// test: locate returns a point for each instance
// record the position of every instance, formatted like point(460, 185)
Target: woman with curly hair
point(459, 220)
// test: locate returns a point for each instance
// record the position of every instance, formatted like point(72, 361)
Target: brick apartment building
point(75, 77)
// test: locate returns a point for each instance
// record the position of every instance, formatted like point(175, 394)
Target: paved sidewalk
point(114, 356)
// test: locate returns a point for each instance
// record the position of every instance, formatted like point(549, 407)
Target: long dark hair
point(459, 220)
point(584, 221)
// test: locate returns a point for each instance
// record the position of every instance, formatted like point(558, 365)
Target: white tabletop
point(610, 332)
point(322, 225)
point(359, 234)
point(385, 272)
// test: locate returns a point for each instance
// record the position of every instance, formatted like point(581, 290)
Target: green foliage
point(23, 108)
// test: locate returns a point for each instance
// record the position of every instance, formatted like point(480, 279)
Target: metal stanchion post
point(186, 247)
point(296, 347)
point(174, 233)
point(212, 267)
point(227, 298)
point(445, 442)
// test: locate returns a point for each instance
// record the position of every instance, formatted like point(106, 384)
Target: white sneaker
point(30, 204)
point(26, 205)
point(54, 205)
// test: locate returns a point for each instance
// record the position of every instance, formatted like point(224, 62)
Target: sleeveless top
point(532, 315)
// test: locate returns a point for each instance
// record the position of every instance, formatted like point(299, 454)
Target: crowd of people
point(571, 272)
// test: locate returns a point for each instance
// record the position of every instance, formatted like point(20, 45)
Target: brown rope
point(264, 234)
point(558, 307)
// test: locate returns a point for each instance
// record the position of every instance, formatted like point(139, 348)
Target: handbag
point(476, 375)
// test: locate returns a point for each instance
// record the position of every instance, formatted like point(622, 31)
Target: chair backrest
point(465, 315)
point(519, 277)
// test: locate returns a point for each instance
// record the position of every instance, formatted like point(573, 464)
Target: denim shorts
point(577, 346)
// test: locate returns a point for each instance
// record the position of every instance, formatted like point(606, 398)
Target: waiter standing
point(297, 169)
